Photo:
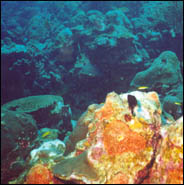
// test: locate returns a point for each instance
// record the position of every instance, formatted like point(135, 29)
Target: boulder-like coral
point(172, 105)
point(119, 146)
point(165, 78)
point(165, 70)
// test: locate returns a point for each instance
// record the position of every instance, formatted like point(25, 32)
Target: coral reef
point(119, 141)
point(70, 48)
point(79, 52)
point(164, 76)
point(20, 121)
point(119, 146)
point(168, 166)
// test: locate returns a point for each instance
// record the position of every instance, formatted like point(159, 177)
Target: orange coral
point(119, 178)
point(175, 176)
point(118, 138)
point(105, 112)
point(39, 174)
point(109, 108)
point(168, 166)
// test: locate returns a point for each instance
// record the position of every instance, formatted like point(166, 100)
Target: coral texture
point(115, 142)
point(39, 174)
point(168, 166)
point(121, 145)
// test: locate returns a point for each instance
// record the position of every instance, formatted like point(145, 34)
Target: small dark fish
point(132, 102)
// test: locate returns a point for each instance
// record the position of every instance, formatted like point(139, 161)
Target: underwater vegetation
point(92, 92)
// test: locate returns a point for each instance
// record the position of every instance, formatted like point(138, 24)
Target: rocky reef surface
point(22, 123)
point(119, 141)
point(73, 48)
point(164, 76)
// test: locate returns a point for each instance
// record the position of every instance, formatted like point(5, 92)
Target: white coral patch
point(50, 148)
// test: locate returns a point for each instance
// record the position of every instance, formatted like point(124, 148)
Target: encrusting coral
point(120, 147)
point(168, 166)
point(39, 174)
